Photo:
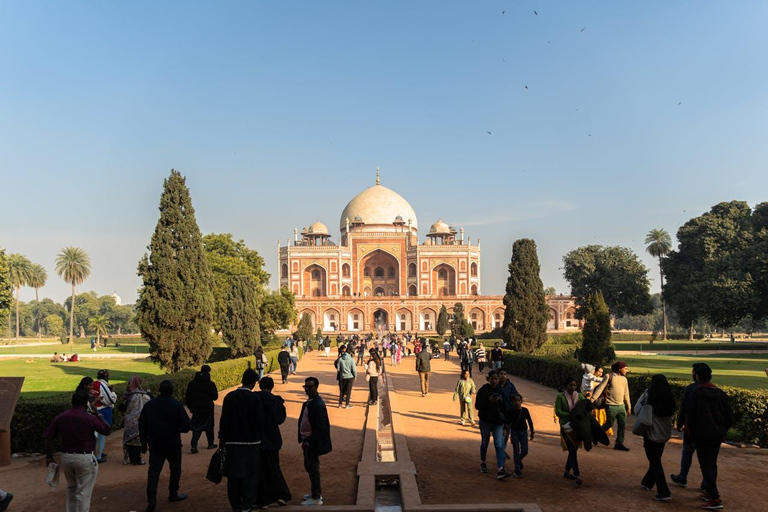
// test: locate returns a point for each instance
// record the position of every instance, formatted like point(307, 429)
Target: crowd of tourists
point(589, 410)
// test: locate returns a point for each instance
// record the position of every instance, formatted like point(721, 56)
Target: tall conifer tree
point(442, 321)
point(527, 312)
point(240, 322)
point(175, 310)
point(304, 329)
point(6, 296)
point(458, 326)
point(597, 347)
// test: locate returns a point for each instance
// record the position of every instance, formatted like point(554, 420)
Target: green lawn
point(747, 370)
point(77, 347)
point(45, 378)
point(688, 345)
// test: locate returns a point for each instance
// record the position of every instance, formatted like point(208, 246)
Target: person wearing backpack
point(708, 419)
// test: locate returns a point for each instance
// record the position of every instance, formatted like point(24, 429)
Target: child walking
point(519, 423)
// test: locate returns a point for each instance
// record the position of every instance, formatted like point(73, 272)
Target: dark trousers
point(466, 366)
point(686, 459)
point(707, 454)
point(573, 462)
point(272, 486)
point(373, 389)
point(519, 446)
point(201, 423)
point(134, 454)
point(284, 370)
point(345, 390)
point(655, 474)
point(157, 458)
point(480, 367)
point(312, 466)
point(242, 468)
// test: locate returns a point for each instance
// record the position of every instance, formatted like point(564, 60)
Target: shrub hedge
point(34, 414)
point(750, 407)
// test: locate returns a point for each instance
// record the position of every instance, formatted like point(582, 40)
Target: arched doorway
point(552, 325)
point(403, 322)
point(498, 318)
point(379, 269)
point(380, 320)
point(355, 320)
point(477, 318)
point(412, 290)
point(345, 291)
point(314, 281)
point(444, 280)
point(331, 320)
point(427, 319)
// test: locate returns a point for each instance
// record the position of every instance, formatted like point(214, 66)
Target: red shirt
point(76, 428)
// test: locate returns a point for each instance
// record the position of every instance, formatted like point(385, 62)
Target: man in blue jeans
point(492, 413)
point(689, 447)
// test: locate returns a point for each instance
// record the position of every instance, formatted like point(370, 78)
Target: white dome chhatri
point(318, 228)
point(378, 206)
point(440, 228)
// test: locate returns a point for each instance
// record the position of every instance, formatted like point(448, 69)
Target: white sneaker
point(311, 502)
point(308, 496)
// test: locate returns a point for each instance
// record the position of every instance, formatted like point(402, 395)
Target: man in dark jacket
point(315, 438)
point(240, 434)
point(423, 367)
point(689, 447)
point(201, 393)
point(161, 424)
point(284, 360)
point(708, 418)
point(492, 413)
point(272, 485)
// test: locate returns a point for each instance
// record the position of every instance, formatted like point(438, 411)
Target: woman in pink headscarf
point(134, 399)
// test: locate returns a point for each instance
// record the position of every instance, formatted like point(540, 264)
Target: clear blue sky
point(279, 112)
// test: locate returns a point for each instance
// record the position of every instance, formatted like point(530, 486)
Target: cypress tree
point(442, 321)
point(240, 323)
point(6, 296)
point(458, 327)
point(527, 312)
point(176, 307)
point(304, 329)
point(597, 347)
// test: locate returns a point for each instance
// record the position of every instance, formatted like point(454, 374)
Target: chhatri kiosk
point(379, 277)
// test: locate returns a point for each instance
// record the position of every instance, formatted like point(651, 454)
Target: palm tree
point(37, 278)
point(99, 324)
point(659, 245)
point(74, 266)
point(20, 269)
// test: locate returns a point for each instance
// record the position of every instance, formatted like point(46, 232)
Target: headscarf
point(134, 386)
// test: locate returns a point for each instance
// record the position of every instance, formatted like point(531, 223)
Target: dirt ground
point(448, 461)
point(123, 488)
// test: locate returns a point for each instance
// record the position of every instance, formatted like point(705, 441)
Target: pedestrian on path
point(346, 373)
point(465, 388)
point(519, 423)
point(564, 404)
point(201, 393)
point(272, 485)
point(77, 461)
point(492, 413)
point(284, 360)
point(480, 357)
point(294, 358)
point(708, 417)
point(447, 350)
point(497, 357)
point(662, 406)
point(262, 361)
point(616, 401)
point(241, 429)
point(315, 438)
point(134, 400)
point(689, 447)
point(161, 424)
point(423, 367)
point(104, 402)
point(372, 371)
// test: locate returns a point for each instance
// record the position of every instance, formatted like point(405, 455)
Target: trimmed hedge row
point(33, 415)
point(625, 336)
point(557, 351)
point(750, 407)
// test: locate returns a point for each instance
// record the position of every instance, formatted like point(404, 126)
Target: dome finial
point(378, 178)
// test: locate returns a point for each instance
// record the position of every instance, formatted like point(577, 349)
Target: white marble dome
point(439, 228)
point(318, 228)
point(378, 206)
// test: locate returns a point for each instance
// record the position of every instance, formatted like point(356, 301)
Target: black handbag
point(216, 467)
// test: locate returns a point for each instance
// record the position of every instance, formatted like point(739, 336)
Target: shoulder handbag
point(600, 402)
point(216, 467)
point(644, 419)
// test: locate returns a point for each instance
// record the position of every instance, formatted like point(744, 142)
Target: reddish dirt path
point(123, 488)
point(447, 454)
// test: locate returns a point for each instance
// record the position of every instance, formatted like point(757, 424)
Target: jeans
point(686, 459)
point(573, 462)
point(80, 471)
point(618, 413)
point(157, 458)
point(312, 466)
point(519, 446)
point(373, 390)
point(424, 381)
point(106, 413)
point(497, 365)
point(361, 358)
point(294, 365)
point(261, 373)
point(486, 430)
point(707, 454)
point(447, 354)
point(655, 474)
point(201, 423)
point(345, 390)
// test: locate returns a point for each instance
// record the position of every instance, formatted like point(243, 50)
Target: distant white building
point(117, 298)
